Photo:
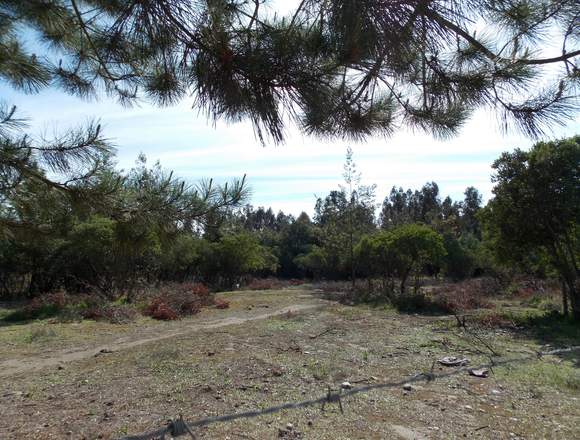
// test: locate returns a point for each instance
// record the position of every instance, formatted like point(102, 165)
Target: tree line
point(113, 232)
point(339, 69)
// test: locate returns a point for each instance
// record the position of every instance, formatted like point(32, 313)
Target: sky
point(289, 176)
point(286, 177)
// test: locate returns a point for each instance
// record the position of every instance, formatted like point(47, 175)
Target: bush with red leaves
point(222, 304)
point(175, 301)
point(496, 320)
point(466, 295)
point(46, 305)
point(159, 310)
point(113, 313)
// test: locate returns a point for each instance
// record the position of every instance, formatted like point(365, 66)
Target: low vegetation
point(283, 356)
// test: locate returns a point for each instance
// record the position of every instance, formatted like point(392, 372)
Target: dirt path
point(15, 366)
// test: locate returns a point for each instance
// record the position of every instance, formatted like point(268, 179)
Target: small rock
point(289, 426)
point(468, 407)
point(452, 361)
point(407, 387)
point(346, 385)
point(211, 353)
point(60, 367)
point(482, 372)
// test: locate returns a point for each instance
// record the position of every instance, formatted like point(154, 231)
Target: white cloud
point(285, 176)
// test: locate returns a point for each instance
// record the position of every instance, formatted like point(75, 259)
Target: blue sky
point(288, 176)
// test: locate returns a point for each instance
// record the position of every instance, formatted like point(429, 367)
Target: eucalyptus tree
point(339, 68)
point(360, 204)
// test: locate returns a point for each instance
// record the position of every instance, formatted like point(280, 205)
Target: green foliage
point(534, 211)
point(400, 253)
point(466, 257)
point(296, 240)
point(236, 255)
point(313, 263)
point(335, 68)
point(415, 246)
point(143, 228)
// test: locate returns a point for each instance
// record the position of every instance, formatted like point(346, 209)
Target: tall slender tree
point(359, 198)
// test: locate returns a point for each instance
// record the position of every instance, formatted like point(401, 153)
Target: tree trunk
point(564, 298)
point(404, 277)
point(573, 287)
point(574, 293)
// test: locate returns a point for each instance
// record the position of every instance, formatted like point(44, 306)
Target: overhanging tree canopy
point(346, 68)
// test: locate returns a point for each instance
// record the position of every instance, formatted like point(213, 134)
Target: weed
point(221, 304)
point(319, 370)
point(543, 373)
point(40, 334)
point(113, 313)
point(365, 356)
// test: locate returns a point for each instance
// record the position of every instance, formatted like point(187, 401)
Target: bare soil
point(94, 380)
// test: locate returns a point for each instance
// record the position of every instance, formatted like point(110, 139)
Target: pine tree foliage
point(340, 68)
point(75, 156)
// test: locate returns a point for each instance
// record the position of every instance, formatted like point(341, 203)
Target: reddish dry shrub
point(526, 287)
point(94, 312)
point(495, 320)
point(159, 310)
point(49, 303)
point(459, 297)
point(201, 293)
point(295, 282)
point(222, 304)
point(175, 301)
point(120, 314)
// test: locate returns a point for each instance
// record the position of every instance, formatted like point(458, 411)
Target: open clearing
point(96, 380)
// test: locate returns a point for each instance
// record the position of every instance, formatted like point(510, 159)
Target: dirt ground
point(95, 380)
